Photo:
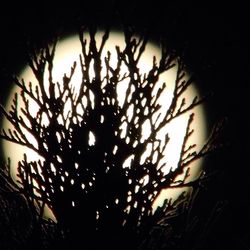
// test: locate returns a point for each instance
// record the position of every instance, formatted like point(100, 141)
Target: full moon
point(67, 52)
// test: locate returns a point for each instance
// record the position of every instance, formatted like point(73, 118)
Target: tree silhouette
point(82, 177)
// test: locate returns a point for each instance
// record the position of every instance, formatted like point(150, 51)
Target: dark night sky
point(215, 46)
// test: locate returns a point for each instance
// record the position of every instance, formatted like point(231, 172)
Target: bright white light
point(67, 52)
point(91, 138)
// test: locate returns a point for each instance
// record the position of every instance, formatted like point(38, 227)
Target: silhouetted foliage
point(96, 200)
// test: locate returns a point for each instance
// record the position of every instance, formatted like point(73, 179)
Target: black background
point(213, 42)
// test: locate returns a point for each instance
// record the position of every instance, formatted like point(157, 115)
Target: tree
point(81, 177)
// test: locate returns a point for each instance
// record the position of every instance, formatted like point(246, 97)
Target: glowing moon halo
point(67, 51)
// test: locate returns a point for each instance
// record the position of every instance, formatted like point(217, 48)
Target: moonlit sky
point(67, 51)
point(215, 42)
